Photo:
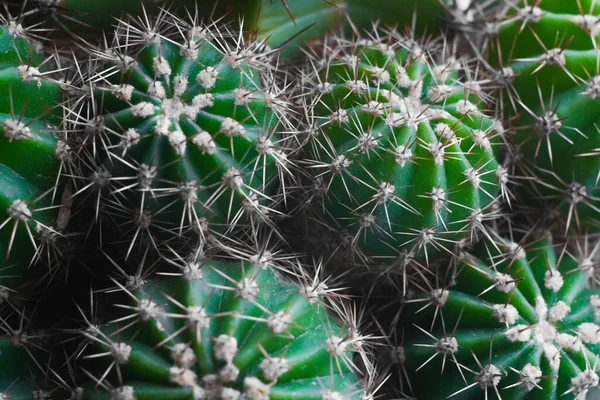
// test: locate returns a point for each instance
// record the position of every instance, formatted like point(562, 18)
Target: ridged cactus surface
point(399, 145)
point(190, 119)
point(30, 154)
point(223, 330)
point(546, 59)
point(519, 323)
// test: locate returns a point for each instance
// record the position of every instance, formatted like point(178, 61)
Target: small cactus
point(31, 155)
point(401, 150)
point(545, 61)
point(518, 323)
point(224, 330)
point(187, 124)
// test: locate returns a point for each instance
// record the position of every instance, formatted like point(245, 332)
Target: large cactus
point(401, 150)
point(188, 118)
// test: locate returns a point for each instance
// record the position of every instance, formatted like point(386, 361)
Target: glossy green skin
point(467, 315)
point(567, 95)
point(18, 372)
point(221, 206)
point(312, 19)
point(28, 166)
point(352, 193)
point(312, 369)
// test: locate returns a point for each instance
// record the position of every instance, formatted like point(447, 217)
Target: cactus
point(401, 150)
point(187, 122)
point(545, 57)
point(225, 330)
point(31, 156)
point(519, 323)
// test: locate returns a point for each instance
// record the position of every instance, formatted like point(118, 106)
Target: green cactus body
point(549, 63)
point(401, 153)
point(192, 127)
point(293, 23)
point(29, 154)
point(519, 322)
point(225, 331)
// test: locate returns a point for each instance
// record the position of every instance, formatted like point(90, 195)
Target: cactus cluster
point(299, 200)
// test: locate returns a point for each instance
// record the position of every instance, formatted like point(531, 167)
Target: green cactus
point(519, 323)
point(188, 123)
point(546, 59)
point(225, 330)
point(30, 155)
point(401, 151)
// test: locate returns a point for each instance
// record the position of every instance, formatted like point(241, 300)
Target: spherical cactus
point(401, 150)
point(188, 122)
point(30, 155)
point(546, 62)
point(519, 323)
point(224, 330)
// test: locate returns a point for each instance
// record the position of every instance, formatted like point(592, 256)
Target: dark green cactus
point(30, 155)
point(224, 330)
point(519, 323)
point(401, 150)
point(546, 60)
point(188, 124)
